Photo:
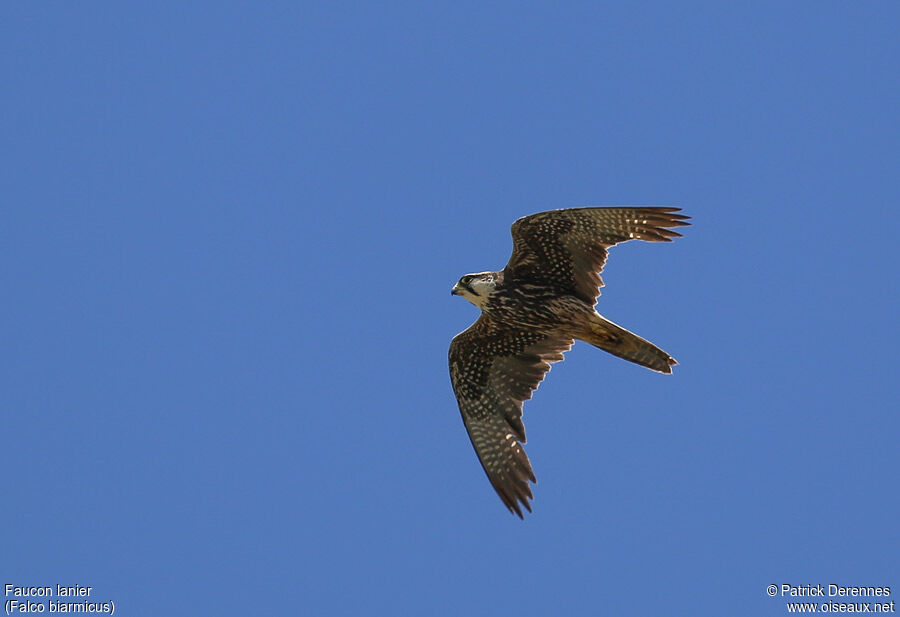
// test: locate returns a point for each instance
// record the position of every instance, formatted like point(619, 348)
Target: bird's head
point(476, 287)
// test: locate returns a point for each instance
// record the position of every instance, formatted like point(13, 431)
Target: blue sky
point(229, 232)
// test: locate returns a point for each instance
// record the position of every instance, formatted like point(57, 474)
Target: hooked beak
point(456, 290)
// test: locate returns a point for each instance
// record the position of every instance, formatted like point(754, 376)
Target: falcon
point(532, 312)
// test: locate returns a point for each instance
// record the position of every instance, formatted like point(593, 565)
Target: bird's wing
point(494, 369)
point(565, 250)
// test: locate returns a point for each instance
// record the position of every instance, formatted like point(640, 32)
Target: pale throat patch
point(480, 287)
point(483, 288)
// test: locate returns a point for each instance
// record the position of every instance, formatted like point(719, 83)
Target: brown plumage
point(532, 312)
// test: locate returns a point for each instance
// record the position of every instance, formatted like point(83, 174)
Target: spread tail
point(620, 342)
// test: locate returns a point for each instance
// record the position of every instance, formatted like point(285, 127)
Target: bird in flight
point(532, 312)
